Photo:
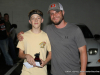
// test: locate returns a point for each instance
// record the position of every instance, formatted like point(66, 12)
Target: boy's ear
point(42, 20)
point(29, 21)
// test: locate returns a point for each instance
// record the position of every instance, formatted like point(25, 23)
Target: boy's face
point(35, 21)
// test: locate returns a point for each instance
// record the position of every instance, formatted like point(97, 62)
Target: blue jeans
point(4, 49)
point(12, 49)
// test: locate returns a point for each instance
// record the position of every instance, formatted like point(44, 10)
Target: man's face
point(56, 17)
point(6, 17)
point(35, 21)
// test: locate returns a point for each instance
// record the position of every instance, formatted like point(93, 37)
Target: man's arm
point(47, 59)
point(83, 58)
point(28, 57)
point(19, 36)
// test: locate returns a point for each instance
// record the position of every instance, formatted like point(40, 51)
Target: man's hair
point(6, 14)
point(35, 11)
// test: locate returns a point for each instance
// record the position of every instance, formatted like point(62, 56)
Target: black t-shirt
point(3, 34)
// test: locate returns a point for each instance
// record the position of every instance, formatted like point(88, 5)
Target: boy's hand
point(42, 63)
point(30, 60)
point(19, 36)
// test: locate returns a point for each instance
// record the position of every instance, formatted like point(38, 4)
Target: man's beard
point(59, 21)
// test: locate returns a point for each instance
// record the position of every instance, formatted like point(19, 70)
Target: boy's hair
point(35, 11)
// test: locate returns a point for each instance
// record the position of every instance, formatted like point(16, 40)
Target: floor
point(16, 68)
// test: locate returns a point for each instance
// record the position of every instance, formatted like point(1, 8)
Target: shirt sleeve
point(79, 38)
point(48, 44)
point(21, 45)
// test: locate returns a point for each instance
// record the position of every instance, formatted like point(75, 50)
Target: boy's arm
point(28, 57)
point(21, 54)
point(47, 59)
point(48, 46)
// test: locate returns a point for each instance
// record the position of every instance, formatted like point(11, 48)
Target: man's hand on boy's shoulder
point(19, 36)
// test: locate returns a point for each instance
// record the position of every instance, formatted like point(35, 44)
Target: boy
point(35, 41)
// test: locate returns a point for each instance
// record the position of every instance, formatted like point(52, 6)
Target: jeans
point(12, 49)
point(4, 49)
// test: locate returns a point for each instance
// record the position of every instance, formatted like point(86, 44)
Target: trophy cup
point(37, 59)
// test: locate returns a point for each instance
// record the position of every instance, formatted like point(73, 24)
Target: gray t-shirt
point(64, 46)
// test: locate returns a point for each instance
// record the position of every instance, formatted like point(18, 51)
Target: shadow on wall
point(49, 21)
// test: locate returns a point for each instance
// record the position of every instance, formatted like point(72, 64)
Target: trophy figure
point(37, 59)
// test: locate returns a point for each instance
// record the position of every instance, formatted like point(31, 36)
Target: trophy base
point(39, 61)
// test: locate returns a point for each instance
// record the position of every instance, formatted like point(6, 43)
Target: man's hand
point(30, 59)
point(8, 33)
point(19, 36)
point(82, 73)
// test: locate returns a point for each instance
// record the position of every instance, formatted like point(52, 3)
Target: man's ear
point(29, 21)
point(63, 12)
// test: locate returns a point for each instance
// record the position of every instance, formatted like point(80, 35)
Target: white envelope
point(30, 66)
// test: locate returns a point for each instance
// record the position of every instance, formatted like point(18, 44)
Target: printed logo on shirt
point(66, 37)
point(2, 27)
point(42, 44)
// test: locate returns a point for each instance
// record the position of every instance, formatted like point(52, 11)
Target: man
point(4, 44)
point(7, 22)
point(67, 41)
point(11, 43)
